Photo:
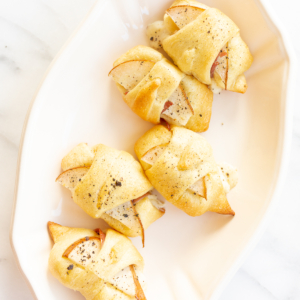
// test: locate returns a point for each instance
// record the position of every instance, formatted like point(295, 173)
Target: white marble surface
point(31, 34)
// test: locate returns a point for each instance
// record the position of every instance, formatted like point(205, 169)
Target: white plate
point(186, 258)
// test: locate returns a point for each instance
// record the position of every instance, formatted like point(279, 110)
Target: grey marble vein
point(31, 34)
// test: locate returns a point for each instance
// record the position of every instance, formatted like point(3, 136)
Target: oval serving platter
point(186, 258)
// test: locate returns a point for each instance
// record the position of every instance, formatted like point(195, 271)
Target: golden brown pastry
point(180, 165)
point(110, 184)
point(155, 89)
point(100, 266)
point(205, 43)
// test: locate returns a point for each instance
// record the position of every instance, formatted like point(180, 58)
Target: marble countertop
point(32, 32)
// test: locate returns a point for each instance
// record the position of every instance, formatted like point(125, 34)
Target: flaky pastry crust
point(91, 281)
point(148, 98)
point(194, 47)
point(109, 179)
point(187, 158)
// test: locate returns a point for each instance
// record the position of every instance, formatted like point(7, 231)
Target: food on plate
point(110, 184)
point(180, 165)
point(205, 43)
point(102, 266)
point(157, 90)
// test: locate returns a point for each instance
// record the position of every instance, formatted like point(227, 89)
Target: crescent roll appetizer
point(110, 184)
point(180, 165)
point(155, 89)
point(100, 266)
point(205, 43)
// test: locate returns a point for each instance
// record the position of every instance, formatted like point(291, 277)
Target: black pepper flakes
point(118, 183)
point(70, 267)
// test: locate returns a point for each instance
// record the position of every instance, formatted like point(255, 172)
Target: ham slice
point(130, 73)
point(167, 105)
point(101, 234)
point(152, 155)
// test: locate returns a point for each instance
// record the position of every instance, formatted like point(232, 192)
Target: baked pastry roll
point(180, 165)
point(110, 184)
point(205, 43)
point(155, 89)
point(100, 266)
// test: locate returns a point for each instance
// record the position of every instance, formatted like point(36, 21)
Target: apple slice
point(72, 177)
point(180, 112)
point(219, 68)
point(139, 293)
point(130, 73)
point(152, 155)
point(184, 14)
point(84, 251)
point(124, 281)
point(199, 188)
point(127, 215)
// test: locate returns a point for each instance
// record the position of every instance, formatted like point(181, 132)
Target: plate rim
point(286, 132)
